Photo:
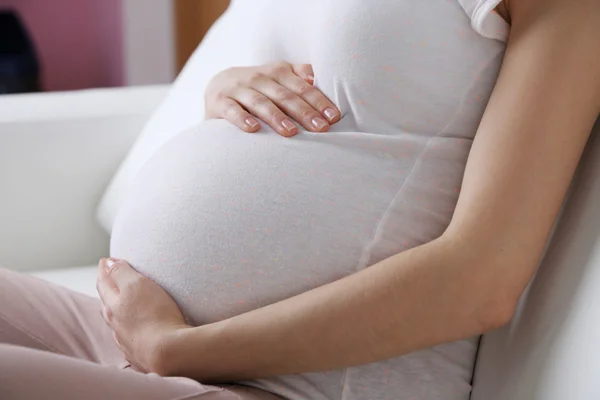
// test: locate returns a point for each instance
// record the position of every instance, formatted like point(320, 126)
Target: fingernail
point(311, 78)
point(288, 125)
point(330, 114)
point(252, 123)
point(319, 123)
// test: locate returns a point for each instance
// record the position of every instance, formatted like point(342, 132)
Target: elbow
point(498, 296)
point(496, 317)
point(496, 311)
point(493, 284)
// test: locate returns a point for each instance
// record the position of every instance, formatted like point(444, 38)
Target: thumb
point(120, 272)
point(305, 72)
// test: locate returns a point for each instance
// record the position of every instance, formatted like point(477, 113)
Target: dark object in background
point(19, 67)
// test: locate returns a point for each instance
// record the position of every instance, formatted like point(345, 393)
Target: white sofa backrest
point(58, 151)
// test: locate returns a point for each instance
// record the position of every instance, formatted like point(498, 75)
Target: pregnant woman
point(368, 195)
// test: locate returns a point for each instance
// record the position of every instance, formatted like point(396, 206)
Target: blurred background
point(52, 45)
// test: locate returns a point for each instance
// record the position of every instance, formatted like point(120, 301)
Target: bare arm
point(469, 280)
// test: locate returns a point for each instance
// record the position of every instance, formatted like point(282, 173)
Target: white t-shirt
point(228, 222)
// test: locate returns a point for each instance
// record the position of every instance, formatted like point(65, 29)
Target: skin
point(272, 92)
point(502, 9)
point(464, 283)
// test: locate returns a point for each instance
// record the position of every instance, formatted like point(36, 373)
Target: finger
point(292, 104)
point(107, 289)
point(231, 111)
point(304, 71)
point(260, 105)
point(121, 273)
point(311, 95)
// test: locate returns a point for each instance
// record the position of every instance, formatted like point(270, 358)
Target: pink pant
point(54, 345)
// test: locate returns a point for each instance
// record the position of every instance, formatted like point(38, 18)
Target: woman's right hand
point(273, 93)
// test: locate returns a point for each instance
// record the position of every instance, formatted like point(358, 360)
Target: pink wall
point(79, 42)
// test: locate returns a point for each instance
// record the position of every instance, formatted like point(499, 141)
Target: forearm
point(413, 300)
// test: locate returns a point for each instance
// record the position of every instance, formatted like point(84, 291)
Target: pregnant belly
point(227, 222)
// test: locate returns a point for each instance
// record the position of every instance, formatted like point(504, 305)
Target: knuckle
point(285, 95)
point(231, 111)
point(321, 104)
point(308, 113)
point(108, 312)
point(280, 68)
point(278, 116)
point(114, 270)
point(306, 90)
point(253, 77)
point(258, 100)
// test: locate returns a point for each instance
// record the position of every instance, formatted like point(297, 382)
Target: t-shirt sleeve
point(485, 20)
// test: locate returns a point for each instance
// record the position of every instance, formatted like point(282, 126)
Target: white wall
point(149, 41)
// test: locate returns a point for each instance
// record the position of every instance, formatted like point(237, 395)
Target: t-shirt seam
point(368, 252)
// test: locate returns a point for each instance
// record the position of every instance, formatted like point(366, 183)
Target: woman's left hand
point(141, 314)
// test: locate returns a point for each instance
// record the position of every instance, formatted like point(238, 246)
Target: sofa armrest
point(58, 152)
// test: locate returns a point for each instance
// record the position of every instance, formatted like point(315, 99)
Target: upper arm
point(531, 137)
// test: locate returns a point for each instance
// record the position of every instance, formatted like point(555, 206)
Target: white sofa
point(59, 151)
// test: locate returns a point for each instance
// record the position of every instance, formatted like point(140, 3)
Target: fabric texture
point(55, 345)
point(228, 222)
